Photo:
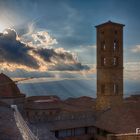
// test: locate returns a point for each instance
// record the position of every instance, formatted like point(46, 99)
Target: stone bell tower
point(109, 65)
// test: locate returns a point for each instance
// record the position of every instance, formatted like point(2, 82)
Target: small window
point(103, 46)
point(56, 134)
point(103, 61)
point(115, 45)
point(115, 88)
point(115, 61)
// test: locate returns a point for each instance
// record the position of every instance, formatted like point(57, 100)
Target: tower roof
point(109, 23)
point(8, 88)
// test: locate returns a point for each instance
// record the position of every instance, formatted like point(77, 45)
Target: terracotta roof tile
point(8, 128)
point(8, 88)
point(122, 119)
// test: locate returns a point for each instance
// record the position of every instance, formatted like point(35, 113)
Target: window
point(103, 46)
point(69, 132)
point(115, 61)
point(91, 130)
point(86, 130)
point(103, 61)
point(66, 133)
point(79, 131)
point(115, 88)
point(56, 134)
point(62, 133)
point(115, 45)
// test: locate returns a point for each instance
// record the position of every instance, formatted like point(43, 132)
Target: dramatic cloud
point(55, 55)
point(70, 67)
point(34, 51)
point(13, 53)
point(136, 49)
point(132, 71)
point(39, 39)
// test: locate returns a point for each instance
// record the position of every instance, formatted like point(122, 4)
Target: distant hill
point(63, 89)
point(72, 88)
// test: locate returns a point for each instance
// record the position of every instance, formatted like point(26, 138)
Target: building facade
point(109, 65)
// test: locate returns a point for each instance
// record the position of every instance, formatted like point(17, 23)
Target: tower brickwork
point(109, 65)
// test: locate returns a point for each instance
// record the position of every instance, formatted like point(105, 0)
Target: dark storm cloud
point(15, 52)
point(52, 55)
point(48, 54)
point(69, 67)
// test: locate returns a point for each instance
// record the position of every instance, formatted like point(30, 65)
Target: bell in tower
point(109, 65)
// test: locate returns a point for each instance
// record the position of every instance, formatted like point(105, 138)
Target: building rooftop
point(121, 119)
point(8, 88)
point(109, 23)
point(36, 98)
point(8, 128)
point(53, 102)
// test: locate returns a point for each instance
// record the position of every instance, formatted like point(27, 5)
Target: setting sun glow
point(3, 26)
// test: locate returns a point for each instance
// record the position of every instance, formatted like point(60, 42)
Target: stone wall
point(46, 116)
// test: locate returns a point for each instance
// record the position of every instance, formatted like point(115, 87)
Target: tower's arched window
point(103, 61)
point(115, 88)
point(103, 46)
point(115, 45)
point(115, 61)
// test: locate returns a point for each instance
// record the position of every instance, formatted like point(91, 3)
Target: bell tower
point(109, 65)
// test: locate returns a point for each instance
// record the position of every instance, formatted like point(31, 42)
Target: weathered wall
point(109, 65)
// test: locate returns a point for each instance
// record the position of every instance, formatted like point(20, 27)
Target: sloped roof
point(122, 119)
point(8, 88)
point(43, 102)
point(53, 102)
point(36, 98)
point(109, 23)
point(8, 127)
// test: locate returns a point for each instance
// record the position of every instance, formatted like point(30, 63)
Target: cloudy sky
point(57, 38)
